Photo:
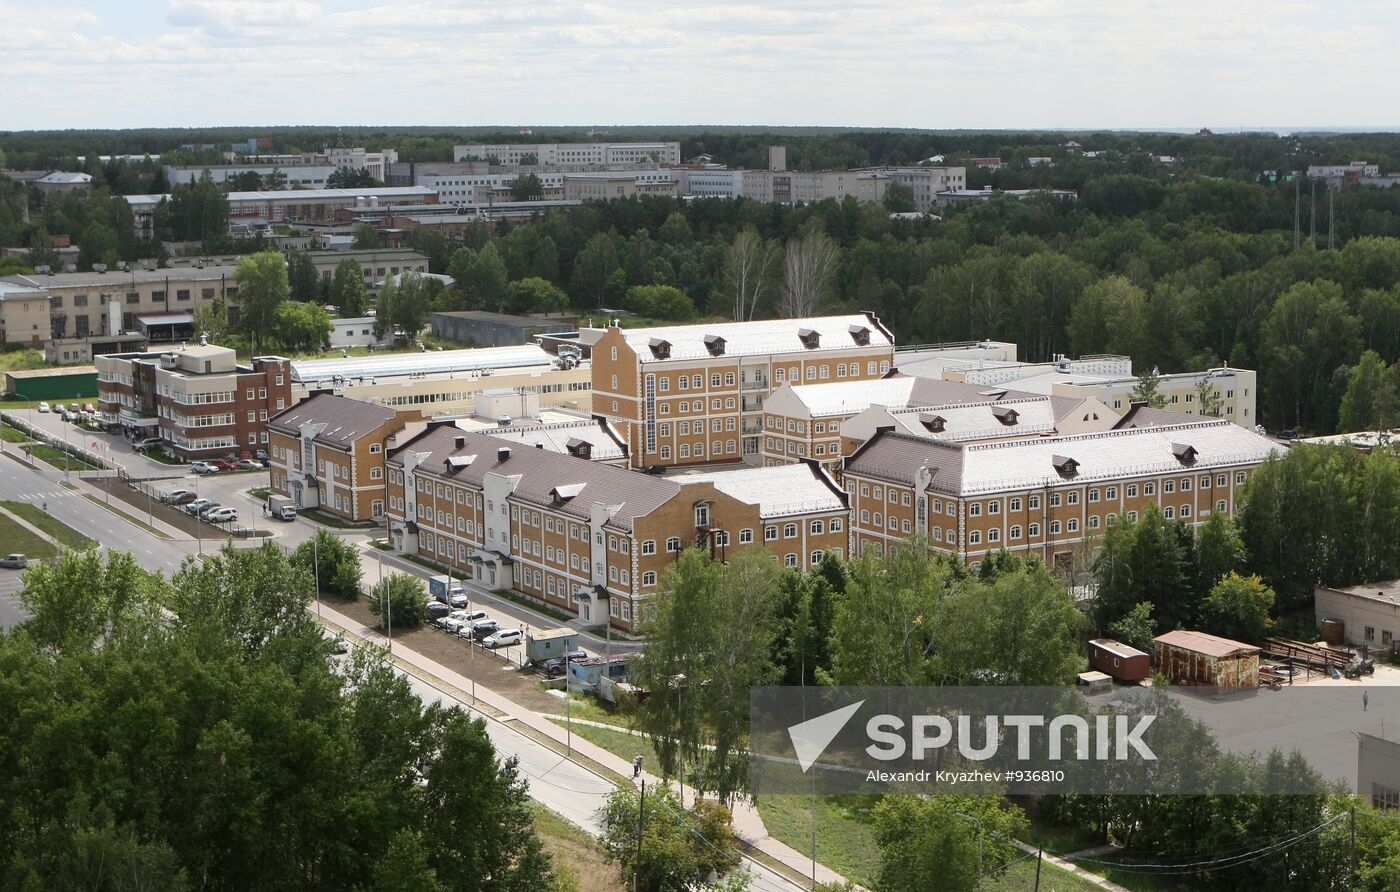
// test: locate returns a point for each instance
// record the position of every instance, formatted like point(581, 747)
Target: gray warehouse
point(478, 328)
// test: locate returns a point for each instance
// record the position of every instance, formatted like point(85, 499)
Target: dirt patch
point(577, 853)
point(175, 515)
point(498, 672)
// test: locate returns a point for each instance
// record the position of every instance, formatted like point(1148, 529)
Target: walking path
point(1072, 868)
point(748, 826)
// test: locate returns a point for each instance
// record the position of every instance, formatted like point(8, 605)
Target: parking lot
point(10, 613)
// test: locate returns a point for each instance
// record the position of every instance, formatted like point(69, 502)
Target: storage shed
point(1118, 660)
point(1196, 658)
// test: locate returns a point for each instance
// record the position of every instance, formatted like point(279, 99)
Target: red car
point(222, 464)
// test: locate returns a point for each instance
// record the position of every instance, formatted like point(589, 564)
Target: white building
point(353, 332)
point(575, 156)
point(709, 182)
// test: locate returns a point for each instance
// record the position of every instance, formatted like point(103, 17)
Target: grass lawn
point(19, 540)
point(628, 746)
point(260, 492)
point(330, 520)
point(58, 458)
point(46, 522)
point(12, 434)
point(163, 457)
point(845, 835)
point(1021, 878)
point(576, 853)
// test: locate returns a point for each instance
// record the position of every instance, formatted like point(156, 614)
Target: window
point(746, 537)
point(1054, 500)
point(1220, 505)
point(1014, 506)
point(1220, 479)
point(1093, 495)
point(376, 473)
point(1132, 490)
point(1149, 489)
point(1014, 532)
point(1185, 511)
point(1370, 633)
point(789, 531)
point(1186, 484)
point(649, 547)
point(1111, 493)
point(818, 527)
point(994, 507)
point(1168, 486)
point(1054, 528)
point(649, 579)
point(1073, 497)
point(375, 448)
point(835, 525)
point(974, 509)
point(673, 545)
point(993, 535)
point(1073, 525)
point(790, 560)
point(1093, 521)
point(1239, 477)
point(1033, 503)
point(770, 534)
point(1033, 530)
point(974, 537)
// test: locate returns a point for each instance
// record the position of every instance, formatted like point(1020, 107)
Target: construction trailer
point(1118, 660)
point(546, 644)
point(1187, 657)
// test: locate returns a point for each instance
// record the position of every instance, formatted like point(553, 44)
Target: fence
point(196, 526)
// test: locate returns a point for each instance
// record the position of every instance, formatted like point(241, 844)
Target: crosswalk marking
point(41, 496)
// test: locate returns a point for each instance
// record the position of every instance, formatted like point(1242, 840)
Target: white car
point(200, 467)
point(222, 515)
point(454, 620)
point(504, 638)
point(458, 598)
point(43, 408)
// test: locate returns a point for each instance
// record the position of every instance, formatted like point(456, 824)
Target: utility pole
point(641, 817)
point(1331, 216)
point(1312, 211)
point(1297, 213)
point(1039, 857)
point(1351, 880)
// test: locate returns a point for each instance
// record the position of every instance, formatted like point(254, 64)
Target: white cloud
point(947, 63)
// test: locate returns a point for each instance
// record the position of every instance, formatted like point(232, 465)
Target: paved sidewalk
point(748, 826)
point(1072, 868)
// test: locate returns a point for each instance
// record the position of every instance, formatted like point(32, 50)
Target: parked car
point(458, 599)
point(458, 620)
point(1287, 434)
point(43, 408)
point(203, 512)
point(198, 505)
point(184, 499)
point(73, 407)
point(557, 666)
point(222, 464)
point(260, 455)
point(504, 638)
point(222, 515)
point(14, 562)
point(436, 611)
point(484, 628)
point(147, 443)
point(170, 497)
point(89, 408)
point(203, 467)
point(249, 464)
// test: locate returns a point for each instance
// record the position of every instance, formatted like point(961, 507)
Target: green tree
point(211, 320)
point(1238, 607)
point(1021, 627)
point(1367, 378)
point(400, 601)
point(262, 288)
point(348, 293)
point(303, 327)
point(366, 237)
point(660, 302)
point(882, 629)
point(1148, 390)
point(526, 187)
point(333, 562)
point(714, 637)
point(678, 849)
point(594, 268)
point(351, 178)
point(534, 295)
point(195, 212)
point(899, 198)
point(98, 244)
point(480, 277)
point(1219, 551)
point(1136, 628)
point(1209, 401)
point(302, 278)
point(409, 305)
point(943, 842)
point(1309, 333)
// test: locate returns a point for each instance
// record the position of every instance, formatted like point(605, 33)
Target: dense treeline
point(217, 744)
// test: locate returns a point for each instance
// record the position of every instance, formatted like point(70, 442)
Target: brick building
point(585, 536)
point(1045, 496)
point(197, 399)
point(327, 452)
point(694, 394)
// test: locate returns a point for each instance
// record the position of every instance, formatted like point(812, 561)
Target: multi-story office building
point(306, 170)
point(24, 313)
point(865, 185)
point(709, 181)
point(574, 156)
point(196, 398)
point(587, 537)
point(1107, 378)
point(448, 382)
point(602, 186)
point(293, 206)
point(694, 394)
point(821, 421)
point(327, 452)
point(1046, 496)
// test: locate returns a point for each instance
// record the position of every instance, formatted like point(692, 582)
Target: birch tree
point(808, 271)
point(747, 271)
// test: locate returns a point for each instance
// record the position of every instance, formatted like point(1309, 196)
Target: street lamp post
point(316, 569)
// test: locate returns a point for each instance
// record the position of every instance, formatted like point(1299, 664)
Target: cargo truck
point(447, 590)
point(281, 507)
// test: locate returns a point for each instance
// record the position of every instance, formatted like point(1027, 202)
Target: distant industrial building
point(574, 156)
point(479, 328)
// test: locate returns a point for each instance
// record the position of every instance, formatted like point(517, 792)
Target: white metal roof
point(850, 397)
point(777, 491)
point(398, 364)
point(757, 337)
point(962, 422)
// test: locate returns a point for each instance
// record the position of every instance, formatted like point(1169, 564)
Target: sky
point(1223, 64)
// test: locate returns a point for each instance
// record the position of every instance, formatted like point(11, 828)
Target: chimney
point(503, 454)
point(459, 441)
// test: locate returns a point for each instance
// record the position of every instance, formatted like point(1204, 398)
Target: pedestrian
point(46, 507)
point(636, 767)
point(264, 509)
point(1365, 700)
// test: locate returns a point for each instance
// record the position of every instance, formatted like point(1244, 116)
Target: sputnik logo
point(811, 738)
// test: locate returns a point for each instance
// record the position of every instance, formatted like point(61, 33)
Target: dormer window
point(580, 448)
point(566, 491)
point(660, 348)
point(934, 424)
point(1005, 414)
point(1184, 453)
point(811, 338)
point(860, 334)
point(714, 344)
point(1064, 465)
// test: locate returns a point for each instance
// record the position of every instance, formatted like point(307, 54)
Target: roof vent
point(1064, 465)
point(503, 454)
point(660, 348)
point(459, 442)
point(715, 344)
point(1184, 453)
point(810, 337)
